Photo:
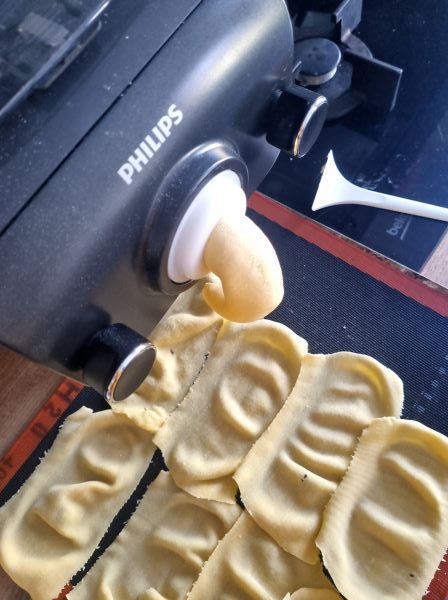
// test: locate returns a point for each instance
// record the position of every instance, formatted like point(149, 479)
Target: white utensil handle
point(402, 205)
point(335, 189)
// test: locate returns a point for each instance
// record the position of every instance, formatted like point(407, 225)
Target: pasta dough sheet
point(310, 594)
point(160, 552)
point(53, 524)
point(183, 339)
point(288, 476)
point(248, 565)
point(385, 529)
point(251, 371)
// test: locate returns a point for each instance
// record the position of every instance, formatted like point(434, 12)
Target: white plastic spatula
point(335, 189)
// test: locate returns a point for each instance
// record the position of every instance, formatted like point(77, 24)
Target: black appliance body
point(99, 164)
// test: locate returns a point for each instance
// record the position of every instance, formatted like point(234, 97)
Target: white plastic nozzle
point(335, 189)
point(221, 196)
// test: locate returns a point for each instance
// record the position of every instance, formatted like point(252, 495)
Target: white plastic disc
point(221, 196)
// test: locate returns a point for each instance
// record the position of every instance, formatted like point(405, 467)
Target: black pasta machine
point(114, 116)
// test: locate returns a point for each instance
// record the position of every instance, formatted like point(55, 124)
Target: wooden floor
point(436, 267)
point(25, 386)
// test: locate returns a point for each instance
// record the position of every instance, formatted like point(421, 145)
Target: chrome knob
point(296, 120)
point(117, 360)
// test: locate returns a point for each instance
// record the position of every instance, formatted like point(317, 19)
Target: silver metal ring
point(138, 350)
point(306, 79)
point(320, 101)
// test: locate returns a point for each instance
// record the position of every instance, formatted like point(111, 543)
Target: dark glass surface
point(37, 38)
point(404, 152)
point(47, 124)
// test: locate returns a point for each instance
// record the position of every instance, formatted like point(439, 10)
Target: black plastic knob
point(117, 360)
point(296, 120)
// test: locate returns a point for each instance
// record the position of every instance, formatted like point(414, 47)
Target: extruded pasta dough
point(250, 373)
point(52, 525)
point(161, 550)
point(385, 529)
point(288, 476)
point(248, 564)
point(183, 339)
point(250, 281)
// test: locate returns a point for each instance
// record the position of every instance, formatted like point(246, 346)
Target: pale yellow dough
point(250, 281)
point(289, 475)
point(161, 550)
point(52, 525)
point(250, 373)
point(183, 339)
point(385, 529)
point(248, 565)
point(310, 594)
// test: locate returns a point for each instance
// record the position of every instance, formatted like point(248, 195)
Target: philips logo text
point(150, 145)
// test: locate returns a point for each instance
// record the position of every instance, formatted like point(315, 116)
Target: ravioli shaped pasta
point(183, 339)
point(151, 595)
point(309, 594)
point(385, 529)
point(251, 371)
point(248, 564)
point(161, 550)
point(52, 525)
point(289, 475)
